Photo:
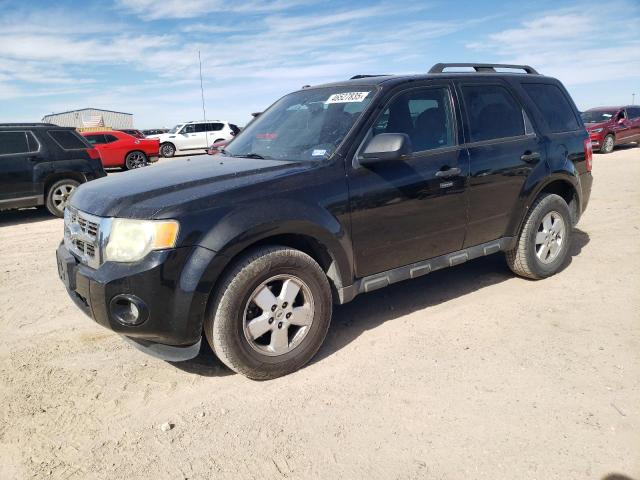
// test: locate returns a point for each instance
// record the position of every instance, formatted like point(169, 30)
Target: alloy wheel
point(550, 237)
point(278, 315)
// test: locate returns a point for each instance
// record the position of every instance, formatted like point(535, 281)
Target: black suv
point(42, 164)
point(335, 190)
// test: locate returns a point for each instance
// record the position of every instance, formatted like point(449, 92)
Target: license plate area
point(66, 268)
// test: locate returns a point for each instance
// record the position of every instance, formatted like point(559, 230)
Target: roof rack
point(482, 67)
point(356, 77)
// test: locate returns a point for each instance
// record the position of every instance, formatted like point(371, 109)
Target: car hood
point(167, 189)
point(593, 126)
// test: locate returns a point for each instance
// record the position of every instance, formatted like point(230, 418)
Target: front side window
point(191, 128)
point(634, 113)
point(13, 143)
point(492, 112)
point(305, 125)
point(95, 139)
point(554, 106)
point(425, 115)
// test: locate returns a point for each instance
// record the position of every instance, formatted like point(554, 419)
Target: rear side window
point(234, 128)
point(12, 143)
point(492, 112)
point(68, 139)
point(554, 106)
point(214, 127)
point(633, 113)
point(110, 138)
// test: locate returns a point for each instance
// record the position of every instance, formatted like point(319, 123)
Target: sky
point(141, 56)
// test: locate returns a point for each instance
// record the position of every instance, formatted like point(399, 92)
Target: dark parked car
point(133, 132)
point(334, 191)
point(611, 126)
point(42, 164)
point(155, 131)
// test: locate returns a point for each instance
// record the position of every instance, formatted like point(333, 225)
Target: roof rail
point(356, 77)
point(482, 67)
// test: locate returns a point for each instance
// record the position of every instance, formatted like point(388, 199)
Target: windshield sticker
point(318, 153)
point(347, 97)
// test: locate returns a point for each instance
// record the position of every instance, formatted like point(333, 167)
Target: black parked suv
point(334, 191)
point(42, 164)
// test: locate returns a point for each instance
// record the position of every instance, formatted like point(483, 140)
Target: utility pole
point(633, 99)
point(204, 112)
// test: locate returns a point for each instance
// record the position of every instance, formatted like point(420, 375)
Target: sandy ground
point(466, 373)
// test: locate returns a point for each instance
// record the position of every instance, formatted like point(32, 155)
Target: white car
point(192, 136)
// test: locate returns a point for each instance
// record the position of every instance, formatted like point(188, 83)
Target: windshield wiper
point(251, 155)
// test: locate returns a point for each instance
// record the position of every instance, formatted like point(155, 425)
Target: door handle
point(530, 156)
point(450, 172)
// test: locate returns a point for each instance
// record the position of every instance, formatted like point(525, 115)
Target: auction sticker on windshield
point(347, 97)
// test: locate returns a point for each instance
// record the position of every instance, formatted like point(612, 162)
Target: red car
point(118, 149)
point(611, 126)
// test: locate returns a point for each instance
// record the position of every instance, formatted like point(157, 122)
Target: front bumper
point(173, 285)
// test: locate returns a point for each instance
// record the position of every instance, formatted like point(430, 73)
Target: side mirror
point(386, 147)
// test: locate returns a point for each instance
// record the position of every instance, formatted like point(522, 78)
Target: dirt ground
point(465, 373)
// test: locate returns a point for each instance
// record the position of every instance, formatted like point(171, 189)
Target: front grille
point(82, 236)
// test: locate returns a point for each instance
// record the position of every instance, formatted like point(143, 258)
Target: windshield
point(176, 128)
point(597, 116)
point(305, 125)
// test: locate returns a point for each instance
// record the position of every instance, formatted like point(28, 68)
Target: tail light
point(588, 154)
point(94, 154)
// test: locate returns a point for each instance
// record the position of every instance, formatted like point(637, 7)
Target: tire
point(527, 259)
point(233, 308)
point(607, 144)
point(58, 195)
point(135, 159)
point(167, 150)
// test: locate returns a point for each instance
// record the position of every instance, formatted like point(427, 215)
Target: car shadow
point(23, 216)
point(368, 311)
point(616, 476)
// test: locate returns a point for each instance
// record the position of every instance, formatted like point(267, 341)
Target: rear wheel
point(607, 144)
point(135, 160)
point(544, 241)
point(270, 314)
point(167, 150)
point(58, 195)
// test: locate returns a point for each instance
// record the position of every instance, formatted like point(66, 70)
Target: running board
point(418, 269)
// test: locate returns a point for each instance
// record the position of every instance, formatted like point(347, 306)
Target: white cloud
point(577, 45)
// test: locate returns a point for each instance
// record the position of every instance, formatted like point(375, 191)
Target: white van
point(192, 136)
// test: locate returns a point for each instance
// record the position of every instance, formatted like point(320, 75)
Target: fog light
point(128, 310)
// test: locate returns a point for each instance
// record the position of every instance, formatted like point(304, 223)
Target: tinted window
point(214, 127)
point(234, 128)
point(634, 113)
point(13, 142)
point(554, 105)
point(95, 139)
point(68, 139)
point(201, 127)
point(492, 113)
point(425, 115)
point(191, 128)
point(110, 138)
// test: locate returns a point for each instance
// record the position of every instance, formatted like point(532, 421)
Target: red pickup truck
point(119, 149)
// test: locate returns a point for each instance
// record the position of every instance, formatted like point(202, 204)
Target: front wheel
point(135, 160)
point(58, 196)
point(544, 241)
point(607, 144)
point(167, 150)
point(270, 314)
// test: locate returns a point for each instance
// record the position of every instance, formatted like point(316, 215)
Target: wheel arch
point(562, 184)
point(54, 177)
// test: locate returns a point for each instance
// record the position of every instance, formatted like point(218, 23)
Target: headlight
point(597, 130)
point(130, 240)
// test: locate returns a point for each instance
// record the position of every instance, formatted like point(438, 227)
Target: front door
point(406, 211)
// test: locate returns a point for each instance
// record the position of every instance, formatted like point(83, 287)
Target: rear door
point(503, 150)
point(19, 152)
point(411, 210)
point(634, 118)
